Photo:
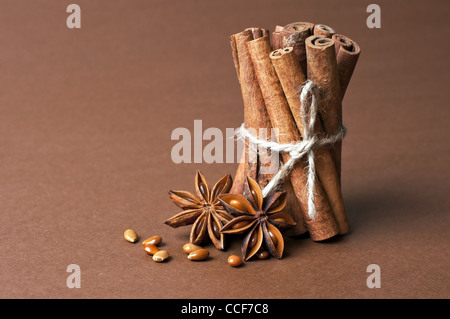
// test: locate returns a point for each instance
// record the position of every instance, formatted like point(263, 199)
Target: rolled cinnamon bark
point(291, 78)
point(253, 103)
point(324, 225)
point(277, 40)
point(293, 35)
point(256, 117)
point(323, 71)
point(324, 30)
point(248, 162)
point(347, 54)
point(258, 32)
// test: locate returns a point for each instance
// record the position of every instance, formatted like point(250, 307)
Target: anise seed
point(236, 204)
point(274, 239)
point(253, 240)
point(216, 230)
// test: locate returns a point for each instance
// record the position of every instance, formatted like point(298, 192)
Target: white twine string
point(299, 150)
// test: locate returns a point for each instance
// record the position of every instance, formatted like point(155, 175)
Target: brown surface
point(85, 123)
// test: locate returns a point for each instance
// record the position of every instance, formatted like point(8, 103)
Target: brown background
point(85, 123)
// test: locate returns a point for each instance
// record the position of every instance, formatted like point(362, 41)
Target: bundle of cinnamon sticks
point(271, 69)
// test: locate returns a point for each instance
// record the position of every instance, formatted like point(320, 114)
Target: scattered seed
point(199, 254)
point(130, 235)
point(188, 248)
point(150, 248)
point(160, 256)
point(262, 254)
point(234, 261)
point(154, 240)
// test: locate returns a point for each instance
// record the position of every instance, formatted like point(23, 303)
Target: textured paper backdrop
point(86, 117)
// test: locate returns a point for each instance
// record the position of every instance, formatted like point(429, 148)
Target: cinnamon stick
point(323, 30)
point(277, 40)
point(253, 103)
point(255, 116)
point(291, 78)
point(347, 54)
point(323, 71)
point(324, 225)
point(293, 35)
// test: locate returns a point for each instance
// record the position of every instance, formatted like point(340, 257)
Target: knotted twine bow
point(297, 151)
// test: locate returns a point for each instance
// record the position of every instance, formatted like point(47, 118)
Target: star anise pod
point(260, 217)
point(203, 210)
